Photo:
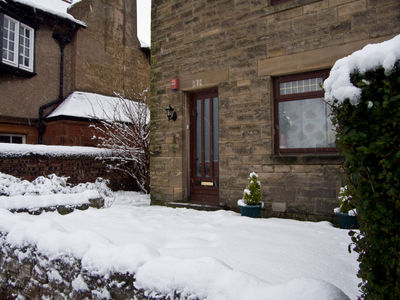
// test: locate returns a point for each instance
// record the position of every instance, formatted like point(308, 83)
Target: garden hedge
point(368, 136)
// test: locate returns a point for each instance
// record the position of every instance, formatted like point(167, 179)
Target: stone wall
point(107, 57)
point(80, 169)
point(29, 274)
point(239, 47)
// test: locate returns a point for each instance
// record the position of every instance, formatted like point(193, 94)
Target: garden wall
point(80, 167)
point(26, 273)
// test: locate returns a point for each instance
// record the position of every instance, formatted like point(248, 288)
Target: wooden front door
point(204, 166)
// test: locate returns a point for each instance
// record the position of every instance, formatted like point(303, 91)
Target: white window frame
point(14, 135)
point(16, 61)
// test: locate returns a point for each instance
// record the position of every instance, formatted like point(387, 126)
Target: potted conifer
point(250, 205)
point(346, 212)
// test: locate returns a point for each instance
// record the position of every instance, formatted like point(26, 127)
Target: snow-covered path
point(219, 255)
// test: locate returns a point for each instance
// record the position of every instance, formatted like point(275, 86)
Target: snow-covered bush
point(364, 90)
point(345, 201)
point(252, 194)
point(52, 184)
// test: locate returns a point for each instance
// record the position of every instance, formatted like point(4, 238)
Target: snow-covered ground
point(214, 255)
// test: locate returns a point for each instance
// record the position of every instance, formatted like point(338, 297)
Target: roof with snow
point(100, 107)
point(373, 56)
point(54, 7)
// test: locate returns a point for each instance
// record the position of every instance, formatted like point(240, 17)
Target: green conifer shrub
point(252, 194)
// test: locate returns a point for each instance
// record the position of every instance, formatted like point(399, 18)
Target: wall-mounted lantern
point(171, 114)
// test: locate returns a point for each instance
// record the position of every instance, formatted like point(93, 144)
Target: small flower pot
point(346, 221)
point(252, 211)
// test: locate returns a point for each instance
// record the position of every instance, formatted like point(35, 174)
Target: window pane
point(17, 139)
point(300, 86)
point(5, 139)
point(305, 124)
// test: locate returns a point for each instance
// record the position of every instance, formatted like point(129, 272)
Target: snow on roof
point(143, 8)
point(55, 7)
point(338, 85)
point(96, 106)
point(143, 44)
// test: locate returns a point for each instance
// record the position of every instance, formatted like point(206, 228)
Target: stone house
point(92, 48)
point(244, 80)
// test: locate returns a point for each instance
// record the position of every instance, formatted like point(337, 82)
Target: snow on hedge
point(54, 7)
point(213, 255)
point(338, 85)
point(29, 149)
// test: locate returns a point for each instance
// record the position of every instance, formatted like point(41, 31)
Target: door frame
point(203, 194)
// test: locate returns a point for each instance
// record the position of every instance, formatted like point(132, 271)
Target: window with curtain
point(302, 118)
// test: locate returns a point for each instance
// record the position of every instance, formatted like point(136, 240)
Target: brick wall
point(68, 133)
point(80, 168)
point(238, 47)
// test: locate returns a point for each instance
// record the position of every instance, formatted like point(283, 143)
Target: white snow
point(143, 22)
point(30, 202)
point(78, 284)
point(50, 191)
point(54, 7)
point(338, 85)
point(26, 149)
point(214, 255)
point(95, 106)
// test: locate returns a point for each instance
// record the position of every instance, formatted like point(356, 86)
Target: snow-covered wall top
point(54, 7)
point(25, 149)
point(96, 106)
point(338, 85)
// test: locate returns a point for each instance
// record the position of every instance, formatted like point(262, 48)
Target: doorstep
point(196, 206)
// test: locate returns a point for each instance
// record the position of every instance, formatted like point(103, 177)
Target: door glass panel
point(215, 128)
point(207, 136)
point(198, 137)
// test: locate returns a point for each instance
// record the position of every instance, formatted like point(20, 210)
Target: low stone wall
point(79, 168)
point(28, 274)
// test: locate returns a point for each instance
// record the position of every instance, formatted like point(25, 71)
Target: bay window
point(17, 44)
point(302, 118)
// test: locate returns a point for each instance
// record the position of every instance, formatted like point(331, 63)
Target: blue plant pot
point(346, 221)
point(252, 211)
